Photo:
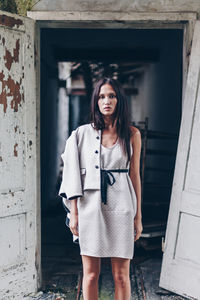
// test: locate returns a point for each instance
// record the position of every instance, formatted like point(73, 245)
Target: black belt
point(108, 178)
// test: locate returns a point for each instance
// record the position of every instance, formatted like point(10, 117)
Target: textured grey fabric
point(108, 230)
point(81, 168)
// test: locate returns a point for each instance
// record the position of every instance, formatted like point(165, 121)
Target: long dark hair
point(121, 115)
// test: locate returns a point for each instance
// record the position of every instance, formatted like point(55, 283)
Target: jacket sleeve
point(71, 186)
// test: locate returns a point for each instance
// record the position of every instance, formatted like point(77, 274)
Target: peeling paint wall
point(10, 21)
point(12, 85)
point(17, 157)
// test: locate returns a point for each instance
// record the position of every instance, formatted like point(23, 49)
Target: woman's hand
point(138, 227)
point(73, 224)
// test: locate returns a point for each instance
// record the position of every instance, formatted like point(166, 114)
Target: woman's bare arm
point(135, 177)
point(73, 224)
point(73, 206)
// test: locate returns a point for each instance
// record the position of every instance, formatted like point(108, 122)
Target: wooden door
point(18, 275)
point(180, 271)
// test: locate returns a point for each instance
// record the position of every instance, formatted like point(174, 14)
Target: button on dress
point(107, 230)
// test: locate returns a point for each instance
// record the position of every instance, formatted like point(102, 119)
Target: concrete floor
point(62, 267)
point(61, 280)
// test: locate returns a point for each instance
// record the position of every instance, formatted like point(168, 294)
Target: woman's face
point(107, 100)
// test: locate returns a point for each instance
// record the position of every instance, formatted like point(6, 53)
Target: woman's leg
point(121, 276)
point(91, 271)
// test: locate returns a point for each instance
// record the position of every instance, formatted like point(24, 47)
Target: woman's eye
point(111, 96)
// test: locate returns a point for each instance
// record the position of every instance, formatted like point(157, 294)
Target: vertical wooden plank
point(181, 266)
point(187, 45)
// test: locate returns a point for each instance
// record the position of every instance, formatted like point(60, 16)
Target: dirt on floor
point(62, 280)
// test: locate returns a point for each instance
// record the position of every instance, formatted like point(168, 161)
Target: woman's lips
point(107, 108)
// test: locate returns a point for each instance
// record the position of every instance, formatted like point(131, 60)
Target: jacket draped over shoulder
point(81, 159)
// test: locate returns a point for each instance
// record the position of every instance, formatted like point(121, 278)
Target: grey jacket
point(81, 160)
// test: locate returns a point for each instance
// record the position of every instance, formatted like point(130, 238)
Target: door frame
point(107, 20)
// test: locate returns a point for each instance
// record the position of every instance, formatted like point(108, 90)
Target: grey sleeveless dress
point(107, 230)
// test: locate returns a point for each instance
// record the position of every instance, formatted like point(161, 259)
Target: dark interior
point(157, 94)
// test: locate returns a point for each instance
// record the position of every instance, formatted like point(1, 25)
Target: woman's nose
point(107, 99)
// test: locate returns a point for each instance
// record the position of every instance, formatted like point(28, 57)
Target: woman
point(106, 218)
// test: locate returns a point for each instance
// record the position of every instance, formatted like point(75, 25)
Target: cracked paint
point(15, 150)
point(10, 21)
point(9, 58)
point(10, 88)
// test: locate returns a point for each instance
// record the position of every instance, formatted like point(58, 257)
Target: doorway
point(148, 63)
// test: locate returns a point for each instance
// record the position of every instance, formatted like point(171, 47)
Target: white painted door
point(180, 271)
point(18, 274)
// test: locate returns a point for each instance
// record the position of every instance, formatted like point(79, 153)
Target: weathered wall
point(17, 157)
point(123, 6)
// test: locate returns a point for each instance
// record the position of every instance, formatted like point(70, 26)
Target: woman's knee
point(91, 268)
point(120, 278)
point(91, 277)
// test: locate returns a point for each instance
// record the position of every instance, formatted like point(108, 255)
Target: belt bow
point(108, 178)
